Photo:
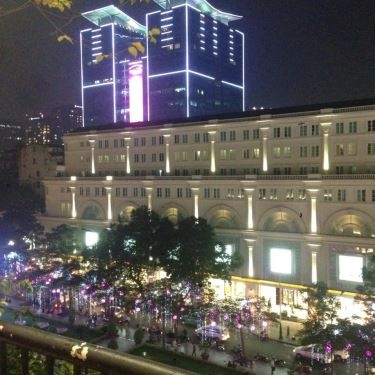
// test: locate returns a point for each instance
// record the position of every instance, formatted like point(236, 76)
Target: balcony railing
point(83, 356)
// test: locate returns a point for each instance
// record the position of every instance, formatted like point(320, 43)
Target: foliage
point(112, 331)
point(113, 344)
point(198, 254)
point(57, 4)
point(366, 291)
point(139, 335)
point(64, 239)
point(51, 11)
point(322, 315)
point(18, 206)
point(183, 361)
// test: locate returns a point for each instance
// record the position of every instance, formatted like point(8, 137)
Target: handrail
point(82, 354)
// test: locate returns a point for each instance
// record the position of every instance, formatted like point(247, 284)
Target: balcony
point(84, 357)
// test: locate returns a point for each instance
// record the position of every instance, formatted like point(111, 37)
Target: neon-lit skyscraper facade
point(105, 65)
point(197, 66)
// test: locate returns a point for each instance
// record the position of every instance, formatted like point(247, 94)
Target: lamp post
point(280, 313)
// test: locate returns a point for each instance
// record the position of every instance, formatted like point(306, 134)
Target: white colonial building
point(291, 190)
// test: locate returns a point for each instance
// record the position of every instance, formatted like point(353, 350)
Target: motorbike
point(219, 346)
point(261, 358)
point(280, 363)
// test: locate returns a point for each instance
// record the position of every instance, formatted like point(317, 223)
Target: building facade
point(292, 191)
point(194, 67)
point(106, 76)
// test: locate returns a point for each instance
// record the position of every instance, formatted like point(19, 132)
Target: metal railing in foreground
point(83, 356)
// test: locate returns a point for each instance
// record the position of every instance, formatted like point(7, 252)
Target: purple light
point(136, 91)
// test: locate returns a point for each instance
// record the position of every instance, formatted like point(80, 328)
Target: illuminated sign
point(350, 268)
point(136, 91)
point(281, 260)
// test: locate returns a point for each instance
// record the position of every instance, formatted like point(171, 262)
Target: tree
point(366, 296)
point(366, 291)
point(198, 255)
point(18, 223)
point(322, 315)
point(64, 239)
point(52, 11)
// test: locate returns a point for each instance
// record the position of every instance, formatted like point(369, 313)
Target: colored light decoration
point(368, 353)
point(328, 347)
point(136, 91)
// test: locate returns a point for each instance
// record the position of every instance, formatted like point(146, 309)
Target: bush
point(284, 314)
point(112, 330)
point(139, 335)
point(113, 344)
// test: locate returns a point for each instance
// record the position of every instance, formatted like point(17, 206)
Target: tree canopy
point(189, 253)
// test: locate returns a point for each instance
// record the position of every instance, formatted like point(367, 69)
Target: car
point(193, 319)
point(318, 353)
point(213, 332)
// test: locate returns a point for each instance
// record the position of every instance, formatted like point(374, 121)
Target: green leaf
point(65, 37)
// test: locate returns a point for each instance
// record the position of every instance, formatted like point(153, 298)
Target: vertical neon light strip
point(147, 72)
point(74, 211)
point(187, 67)
point(109, 203)
point(114, 74)
point(251, 261)
point(243, 71)
point(313, 224)
point(136, 92)
point(82, 99)
point(314, 267)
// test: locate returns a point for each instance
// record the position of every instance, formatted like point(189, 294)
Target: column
point(326, 127)
point(74, 211)
point(314, 267)
point(195, 192)
point(167, 159)
point(149, 198)
point(92, 145)
point(212, 151)
point(127, 141)
point(313, 216)
point(314, 247)
point(264, 132)
point(250, 250)
point(249, 194)
point(109, 203)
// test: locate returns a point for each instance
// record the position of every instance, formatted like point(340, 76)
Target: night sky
point(297, 52)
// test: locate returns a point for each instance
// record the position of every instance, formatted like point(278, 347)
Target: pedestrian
point(194, 353)
point(273, 366)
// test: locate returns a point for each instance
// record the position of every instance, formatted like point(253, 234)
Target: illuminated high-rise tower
point(196, 67)
point(113, 87)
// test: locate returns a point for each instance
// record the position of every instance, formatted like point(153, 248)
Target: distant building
point(12, 135)
point(195, 67)
point(65, 119)
point(38, 161)
point(39, 130)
